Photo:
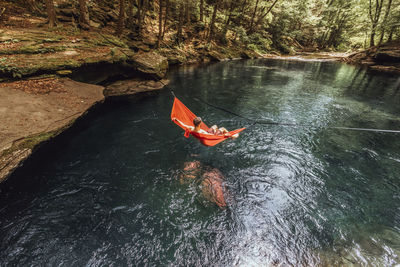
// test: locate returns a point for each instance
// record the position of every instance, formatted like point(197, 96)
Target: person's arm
point(183, 125)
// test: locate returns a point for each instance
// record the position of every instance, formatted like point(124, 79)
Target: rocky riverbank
point(34, 111)
point(39, 101)
point(382, 58)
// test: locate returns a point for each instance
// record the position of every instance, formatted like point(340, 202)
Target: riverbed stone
point(151, 64)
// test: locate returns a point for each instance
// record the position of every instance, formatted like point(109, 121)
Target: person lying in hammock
point(214, 130)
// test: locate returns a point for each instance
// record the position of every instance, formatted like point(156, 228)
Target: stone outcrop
point(388, 56)
point(151, 64)
point(215, 56)
point(32, 112)
point(133, 86)
point(37, 52)
point(383, 58)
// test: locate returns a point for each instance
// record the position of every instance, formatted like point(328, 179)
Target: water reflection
point(305, 196)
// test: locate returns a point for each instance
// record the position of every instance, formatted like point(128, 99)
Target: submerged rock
point(213, 188)
point(151, 63)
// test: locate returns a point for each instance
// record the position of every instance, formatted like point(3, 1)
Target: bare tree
point(229, 17)
point(51, 13)
point(253, 16)
point(242, 9)
point(212, 22)
point(160, 20)
point(32, 4)
point(187, 11)
point(383, 24)
point(201, 9)
point(141, 14)
point(180, 23)
point(165, 18)
point(83, 15)
point(374, 17)
point(121, 18)
point(130, 21)
point(260, 19)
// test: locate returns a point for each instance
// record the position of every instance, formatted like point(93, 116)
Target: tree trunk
point(374, 17)
point(201, 10)
point(143, 7)
point(390, 38)
point(160, 19)
point(187, 14)
point(240, 18)
point(228, 20)
point(180, 23)
point(51, 13)
point(264, 15)
point(383, 24)
point(121, 18)
point(372, 35)
point(139, 16)
point(32, 4)
point(129, 14)
point(83, 15)
point(253, 16)
point(212, 26)
point(165, 18)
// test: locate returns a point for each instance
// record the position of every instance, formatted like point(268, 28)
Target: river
point(110, 193)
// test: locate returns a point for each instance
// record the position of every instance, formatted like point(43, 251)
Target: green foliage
point(113, 51)
point(241, 32)
point(259, 43)
point(260, 25)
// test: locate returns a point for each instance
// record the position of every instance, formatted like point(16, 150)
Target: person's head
point(197, 121)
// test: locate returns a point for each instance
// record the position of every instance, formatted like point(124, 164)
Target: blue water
point(110, 193)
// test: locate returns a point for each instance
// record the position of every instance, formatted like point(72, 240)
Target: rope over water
point(254, 122)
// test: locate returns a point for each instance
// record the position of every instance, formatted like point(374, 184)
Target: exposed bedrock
point(134, 86)
point(150, 63)
point(37, 110)
point(383, 58)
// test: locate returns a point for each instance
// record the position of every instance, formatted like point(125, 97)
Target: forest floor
point(29, 48)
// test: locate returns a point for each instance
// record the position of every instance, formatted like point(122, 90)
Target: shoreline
point(30, 117)
point(23, 143)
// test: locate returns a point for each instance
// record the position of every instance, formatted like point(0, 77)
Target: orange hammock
point(183, 114)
